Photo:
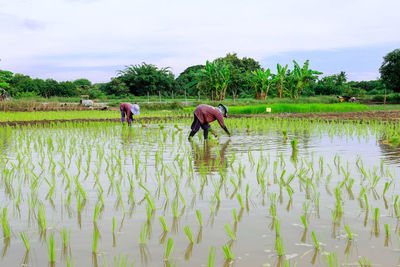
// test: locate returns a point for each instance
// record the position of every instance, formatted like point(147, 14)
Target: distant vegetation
point(224, 77)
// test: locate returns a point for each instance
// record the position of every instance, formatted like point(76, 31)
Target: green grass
point(294, 108)
point(170, 111)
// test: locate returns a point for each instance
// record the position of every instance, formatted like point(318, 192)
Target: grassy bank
point(293, 108)
point(153, 103)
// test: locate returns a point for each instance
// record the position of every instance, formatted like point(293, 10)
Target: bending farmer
point(204, 114)
point(128, 109)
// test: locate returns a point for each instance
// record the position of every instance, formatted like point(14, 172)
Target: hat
point(223, 109)
point(135, 109)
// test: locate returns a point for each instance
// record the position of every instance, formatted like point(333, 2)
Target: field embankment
point(31, 118)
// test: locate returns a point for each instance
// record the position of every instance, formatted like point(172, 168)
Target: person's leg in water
point(122, 114)
point(195, 127)
point(205, 128)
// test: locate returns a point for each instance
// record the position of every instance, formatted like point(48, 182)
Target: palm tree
point(303, 75)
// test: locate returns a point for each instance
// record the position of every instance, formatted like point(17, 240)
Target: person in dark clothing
point(204, 114)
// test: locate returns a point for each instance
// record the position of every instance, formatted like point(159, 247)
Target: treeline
point(229, 76)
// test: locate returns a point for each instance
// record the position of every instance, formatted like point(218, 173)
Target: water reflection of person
point(127, 138)
point(3, 140)
point(204, 157)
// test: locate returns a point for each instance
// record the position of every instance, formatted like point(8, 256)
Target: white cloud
point(180, 33)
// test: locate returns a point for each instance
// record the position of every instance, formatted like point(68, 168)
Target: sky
point(93, 39)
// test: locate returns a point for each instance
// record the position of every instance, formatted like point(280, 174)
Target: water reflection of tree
point(204, 157)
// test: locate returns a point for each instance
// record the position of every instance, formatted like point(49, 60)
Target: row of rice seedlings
point(232, 183)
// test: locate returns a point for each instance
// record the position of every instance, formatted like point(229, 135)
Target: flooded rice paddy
point(279, 192)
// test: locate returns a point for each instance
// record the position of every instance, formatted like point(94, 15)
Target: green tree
point(390, 70)
point(303, 76)
point(279, 79)
point(261, 81)
point(187, 80)
point(5, 78)
point(147, 78)
point(83, 85)
point(239, 73)
point(214, 79)
point(117, 87)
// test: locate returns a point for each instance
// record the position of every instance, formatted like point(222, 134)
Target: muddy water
point(163, 162)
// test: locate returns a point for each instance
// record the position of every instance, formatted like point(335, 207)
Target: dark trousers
point(196, 127)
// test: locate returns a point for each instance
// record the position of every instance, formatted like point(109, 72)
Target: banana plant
point(214, 80)
point(261, 82)
point(279, 78)
point(303, 75)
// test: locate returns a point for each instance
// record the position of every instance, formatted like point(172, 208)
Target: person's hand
point(214, 133)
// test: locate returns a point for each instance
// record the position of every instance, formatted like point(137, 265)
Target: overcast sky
point(71, 39)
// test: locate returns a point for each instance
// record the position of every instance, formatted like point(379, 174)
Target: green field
point(294, 108)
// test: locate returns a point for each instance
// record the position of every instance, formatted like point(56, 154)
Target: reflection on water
point(209, 155)
point(273, 180)
point(4, 139)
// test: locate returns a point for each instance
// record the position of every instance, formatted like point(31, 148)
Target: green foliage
point(117, 87)
point(83, 83)
point(22, 84)
point(188, 80)
point(5, 78)
point(390, 70)
point(261, 82)
point(239, 74)
point(147, 78)
point(303, 76)
point(213, 80)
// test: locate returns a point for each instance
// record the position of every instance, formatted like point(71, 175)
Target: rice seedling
point(96, 213)
point(169, 246)
point(163, 223)
point(314, 238)
point(65, 236)
point(235, 217)
point(199, 218)
point(25, 240)
point(376, 216)
point(387, 229)
point(51, 249)
point(211, 256)
point(331, 259)
point(364, 262)
point(95, 239)
point(188, 233)
point(70, 263)
point(239, 198)
point(230, 232)
point(143, 234)
point(229, 255)
point(348, 231)
point(280, 249)
point(293, 143)
point(5, 224)
point(304, 221)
